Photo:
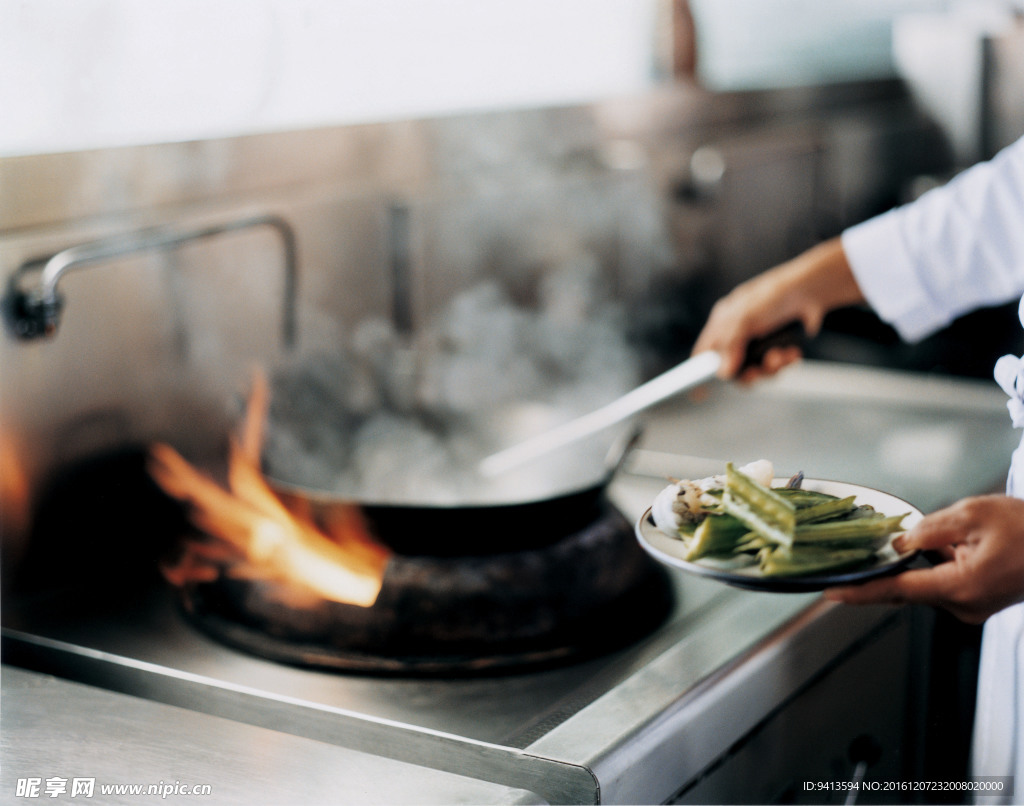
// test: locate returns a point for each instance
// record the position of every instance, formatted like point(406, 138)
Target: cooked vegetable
point(765, 511)
point(811, 560)
point(736, 520)
point(856, 530)
point(804, 498)
point(825, 510)
point(717, 534)
point(683, 504)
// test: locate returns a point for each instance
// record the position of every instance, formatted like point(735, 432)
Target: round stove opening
point(592, 592)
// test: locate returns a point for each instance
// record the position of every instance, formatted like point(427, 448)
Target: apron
point(997, 748)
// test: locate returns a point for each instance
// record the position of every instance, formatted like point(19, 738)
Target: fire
point(15, 492)
point(251, 534)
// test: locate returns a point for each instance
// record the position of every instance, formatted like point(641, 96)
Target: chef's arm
point(802, 289)
point(979, 545)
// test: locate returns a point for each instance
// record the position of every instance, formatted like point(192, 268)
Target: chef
point(956, 248)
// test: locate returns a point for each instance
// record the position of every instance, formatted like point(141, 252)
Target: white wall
point(77, 74)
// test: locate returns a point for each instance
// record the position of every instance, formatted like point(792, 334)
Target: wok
point(470, 529)
point(566, 498)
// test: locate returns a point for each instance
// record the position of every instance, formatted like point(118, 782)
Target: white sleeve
point(957, 248)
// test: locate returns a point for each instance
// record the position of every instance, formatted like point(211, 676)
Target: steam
point(392, 420)
point(535, 335)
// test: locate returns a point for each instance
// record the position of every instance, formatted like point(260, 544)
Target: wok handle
point(696, 370)
point(791, 335)
point(692, 372)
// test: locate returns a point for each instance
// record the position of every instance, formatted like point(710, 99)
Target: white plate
point(672, 551)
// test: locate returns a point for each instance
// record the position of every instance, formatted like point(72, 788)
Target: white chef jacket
point(957, 248)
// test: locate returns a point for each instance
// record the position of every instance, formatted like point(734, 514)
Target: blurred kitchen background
point(616, 162)
point(488, 203)
point(669, 149)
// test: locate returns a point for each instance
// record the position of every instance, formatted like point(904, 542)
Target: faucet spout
point(35, 312)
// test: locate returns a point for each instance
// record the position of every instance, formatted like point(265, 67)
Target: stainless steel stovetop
point(632, 726)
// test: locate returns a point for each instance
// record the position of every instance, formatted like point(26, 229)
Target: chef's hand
point(980, 541)
point(803, 289)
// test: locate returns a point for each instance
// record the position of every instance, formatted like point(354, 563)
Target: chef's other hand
point(803, 289)
point(980, 542)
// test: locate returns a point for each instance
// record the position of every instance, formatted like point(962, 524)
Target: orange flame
point(15, 490)
point(253, 535)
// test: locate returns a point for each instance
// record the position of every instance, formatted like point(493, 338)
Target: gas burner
point(589, 593)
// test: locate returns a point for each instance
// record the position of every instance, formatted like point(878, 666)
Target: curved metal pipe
point(36, 313)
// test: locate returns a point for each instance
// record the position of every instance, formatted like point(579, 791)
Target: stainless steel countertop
point(54, 728)
point(723, 660)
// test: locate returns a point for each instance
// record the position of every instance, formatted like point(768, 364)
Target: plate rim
point(796, 584)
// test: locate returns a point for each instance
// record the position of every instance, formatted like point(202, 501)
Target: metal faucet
point(35, 313)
